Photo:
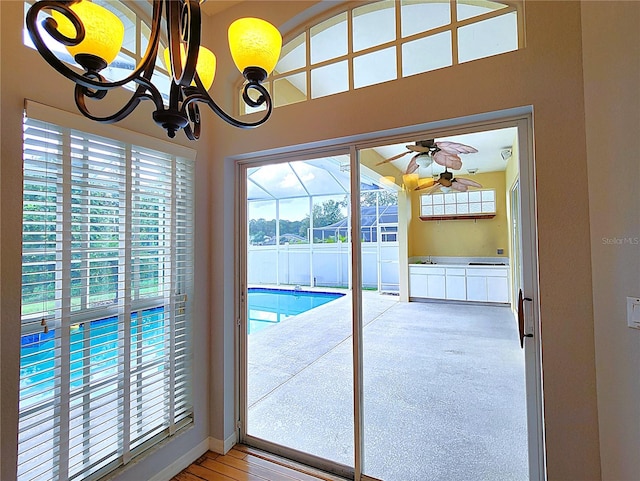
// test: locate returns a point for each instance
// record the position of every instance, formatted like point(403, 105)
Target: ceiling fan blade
point(459, 187)
point(468, 182)
point(413, 165)
point(431, 190)
point(455, 148)
point(451, 161)
point(395, 157)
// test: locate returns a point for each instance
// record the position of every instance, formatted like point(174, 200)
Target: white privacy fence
point(327, 265)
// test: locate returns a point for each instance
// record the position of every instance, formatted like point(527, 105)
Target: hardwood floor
point(243, 463)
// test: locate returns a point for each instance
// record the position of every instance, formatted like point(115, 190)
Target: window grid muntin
point(511, 6)
point(453, 203)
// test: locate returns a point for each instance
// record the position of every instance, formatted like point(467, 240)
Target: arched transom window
point(367, 44)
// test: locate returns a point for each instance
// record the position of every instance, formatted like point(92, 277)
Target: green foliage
point(385, 197)
point(97, 231)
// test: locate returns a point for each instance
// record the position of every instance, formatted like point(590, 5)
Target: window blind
point(107, 262)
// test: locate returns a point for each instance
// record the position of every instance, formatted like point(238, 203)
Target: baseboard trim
point(222, 447)
point(182, 462)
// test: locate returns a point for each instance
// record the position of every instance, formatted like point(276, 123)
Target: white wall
point(611, 51)
point(547, 75)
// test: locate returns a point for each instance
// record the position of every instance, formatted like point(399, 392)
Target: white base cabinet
point(456, 284)
point(497, 289)
point(476, 288)
point(427, 283)
point(470, 283)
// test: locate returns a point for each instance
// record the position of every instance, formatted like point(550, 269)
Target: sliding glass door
point(378, 331)
point(299, 377)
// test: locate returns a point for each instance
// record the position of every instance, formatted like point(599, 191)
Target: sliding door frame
point(520, 118)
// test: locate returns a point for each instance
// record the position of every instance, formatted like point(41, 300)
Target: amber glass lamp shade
point(104, 32)
point(206, 65)
point(254, 43)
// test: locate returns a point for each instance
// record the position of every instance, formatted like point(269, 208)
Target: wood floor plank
point(184, 476)
point(272, 472)
point(236, 453)
point(231, 472)
point(207, 474)
point(243, 463)
point(208, 455)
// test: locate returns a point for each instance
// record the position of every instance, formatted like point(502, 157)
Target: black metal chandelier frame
point(183, 20)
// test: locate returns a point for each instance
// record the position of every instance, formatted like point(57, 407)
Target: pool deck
point(444, 394)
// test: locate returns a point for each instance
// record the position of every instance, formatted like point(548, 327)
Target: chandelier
point(93, 35)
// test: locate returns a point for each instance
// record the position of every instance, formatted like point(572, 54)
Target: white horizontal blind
point(107, 273)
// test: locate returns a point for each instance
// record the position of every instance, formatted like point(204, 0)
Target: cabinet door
point(436, 286)
point(497, 289)
point(456, 288)
point(417, 285)
point(477, 288)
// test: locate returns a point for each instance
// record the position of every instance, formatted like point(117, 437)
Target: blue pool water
point(94, 343)
point(270, 306)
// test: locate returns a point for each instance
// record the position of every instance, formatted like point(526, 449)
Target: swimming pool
point(96, 341)
point(269, 306)
point(93, 347)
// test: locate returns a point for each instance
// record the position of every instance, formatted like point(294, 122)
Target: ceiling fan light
point(205, 66)
point(445, 189)
point(424, 160)
point(254, 43)
point(104, 31)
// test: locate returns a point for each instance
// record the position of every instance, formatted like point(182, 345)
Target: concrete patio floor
point(444, 394)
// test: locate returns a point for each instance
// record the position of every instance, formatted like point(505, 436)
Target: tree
point(261, 229)
point(325, 213)
point(385, 197)
point(328, 212)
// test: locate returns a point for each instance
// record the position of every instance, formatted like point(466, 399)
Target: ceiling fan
point(444, 153)
point(446, 182)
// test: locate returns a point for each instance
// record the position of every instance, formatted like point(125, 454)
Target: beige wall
point(462, 237)
point(547, 75)
point(611, 51)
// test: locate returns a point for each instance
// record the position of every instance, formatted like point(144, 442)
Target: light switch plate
point(633, 312)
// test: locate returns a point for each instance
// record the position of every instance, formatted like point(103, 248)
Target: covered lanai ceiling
point(331, 175)
point(324, 176)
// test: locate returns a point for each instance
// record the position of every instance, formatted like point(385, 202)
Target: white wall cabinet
point(480, 284)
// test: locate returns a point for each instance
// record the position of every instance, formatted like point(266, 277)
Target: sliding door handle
point(521, 300)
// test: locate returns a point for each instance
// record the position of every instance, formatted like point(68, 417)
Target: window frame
point(511, 6)
point(165, 360)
